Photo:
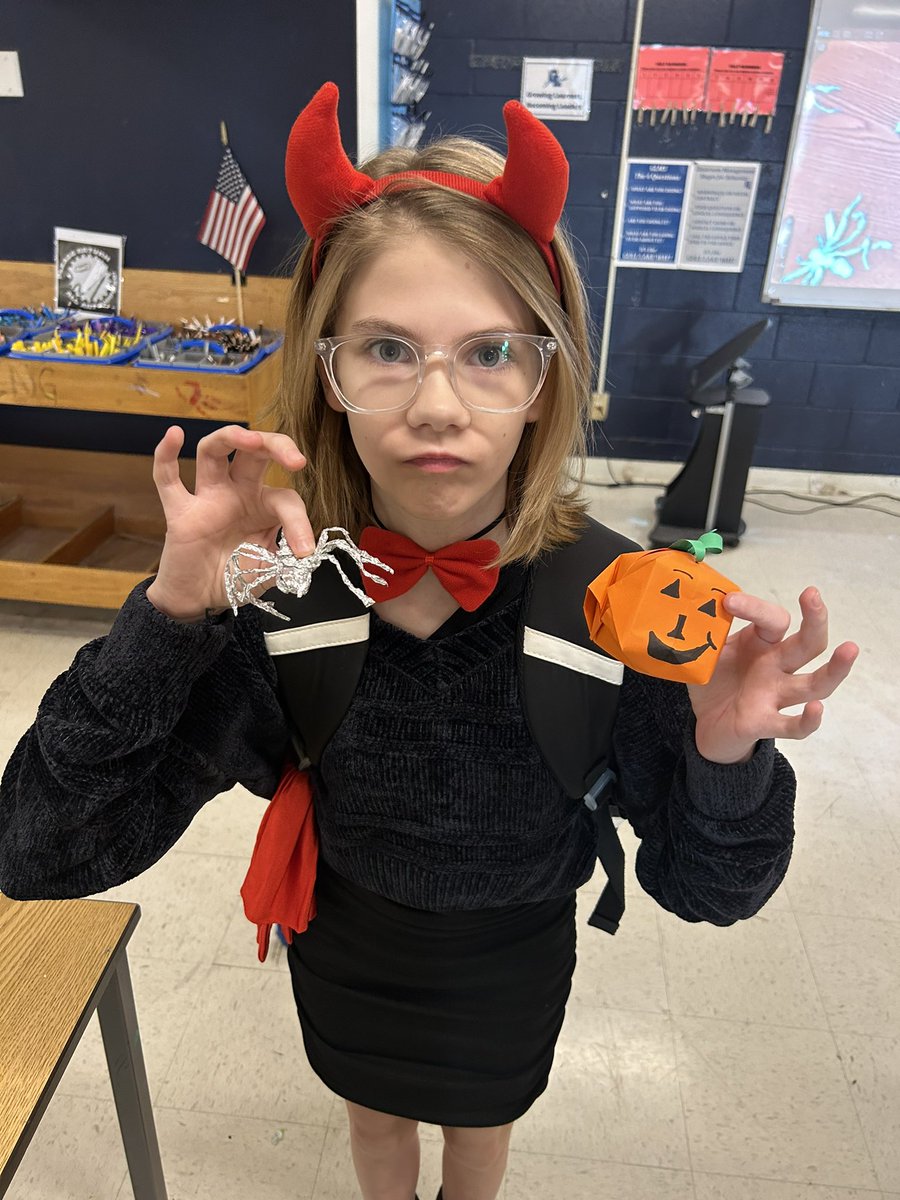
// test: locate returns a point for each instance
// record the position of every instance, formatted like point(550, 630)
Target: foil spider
point(291, 574)
point(834, 250)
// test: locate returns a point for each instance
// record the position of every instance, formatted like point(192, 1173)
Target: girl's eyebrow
point(377, 325)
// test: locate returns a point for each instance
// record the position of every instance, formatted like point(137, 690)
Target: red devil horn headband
point(323, 183)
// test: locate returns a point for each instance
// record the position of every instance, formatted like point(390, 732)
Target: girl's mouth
point(435, 462)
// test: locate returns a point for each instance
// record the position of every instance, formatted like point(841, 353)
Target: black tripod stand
point(708, 491)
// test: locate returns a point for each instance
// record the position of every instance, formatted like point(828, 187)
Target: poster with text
point(687, 215)
point(558, 89)
point(718, 212)
point(671, 77)
point(88, 270)
point(651, 216)
point(744, 81)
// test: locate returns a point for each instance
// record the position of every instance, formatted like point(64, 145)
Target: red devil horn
point(532, 188)
point(321, 180)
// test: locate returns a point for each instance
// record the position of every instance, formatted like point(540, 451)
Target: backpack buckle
point(605, 779)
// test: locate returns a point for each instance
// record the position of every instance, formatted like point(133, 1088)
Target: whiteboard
point(836, 238)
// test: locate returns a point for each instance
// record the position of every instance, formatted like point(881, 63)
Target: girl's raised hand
point(756, 677)
point(230, 504)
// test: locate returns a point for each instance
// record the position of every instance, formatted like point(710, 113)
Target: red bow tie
point(461, 568)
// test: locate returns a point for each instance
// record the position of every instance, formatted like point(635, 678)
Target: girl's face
point(438, 469)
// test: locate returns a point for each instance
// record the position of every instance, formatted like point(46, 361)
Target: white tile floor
point(760, 1062)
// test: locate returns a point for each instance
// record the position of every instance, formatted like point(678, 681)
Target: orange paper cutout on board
point(660, 612)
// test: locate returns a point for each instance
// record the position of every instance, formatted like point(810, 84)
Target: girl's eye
point(388, 351)
point(493, 354)
point(709, 608)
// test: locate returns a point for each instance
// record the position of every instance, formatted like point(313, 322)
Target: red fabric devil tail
point(279, 886)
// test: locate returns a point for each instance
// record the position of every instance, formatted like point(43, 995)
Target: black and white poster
point(88, 270)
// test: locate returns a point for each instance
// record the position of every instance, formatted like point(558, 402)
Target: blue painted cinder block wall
point(833, 376)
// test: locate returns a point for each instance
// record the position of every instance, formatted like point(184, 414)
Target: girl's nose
point(436, 403)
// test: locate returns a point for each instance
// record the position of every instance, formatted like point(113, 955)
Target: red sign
point(744, 81)
point(671, 77)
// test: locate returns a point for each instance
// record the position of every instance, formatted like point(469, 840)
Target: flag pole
point(240, 296)
point(223, 134)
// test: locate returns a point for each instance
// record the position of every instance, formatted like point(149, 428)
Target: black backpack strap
point(570, 691)
point(318, 654)
point(609, 908)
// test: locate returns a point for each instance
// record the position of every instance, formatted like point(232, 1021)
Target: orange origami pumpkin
point(660, 612)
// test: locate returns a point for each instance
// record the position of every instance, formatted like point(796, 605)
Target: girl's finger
point(250, 466)
point(821, 683)
point(770, 621)
point(811, 639)
point(286, 507)
point(213, 450)
point(166, 473)
point(799, 727)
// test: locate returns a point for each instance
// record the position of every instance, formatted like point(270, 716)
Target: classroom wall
point(118, 131)
point(833, 376)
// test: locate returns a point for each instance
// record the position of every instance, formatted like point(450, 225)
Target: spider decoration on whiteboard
point(816, 95)
point(835, 249)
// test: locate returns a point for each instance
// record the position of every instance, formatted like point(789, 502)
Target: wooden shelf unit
point(80, 527)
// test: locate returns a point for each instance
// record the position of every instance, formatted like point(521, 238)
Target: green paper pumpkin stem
point(707, 543)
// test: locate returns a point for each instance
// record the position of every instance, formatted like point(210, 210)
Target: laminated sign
point(744, 81)
point(88, 270)
point(671, 77)
point(558, 89)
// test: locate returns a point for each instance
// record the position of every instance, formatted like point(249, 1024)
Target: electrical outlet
point(10, 75)
point(599, 406)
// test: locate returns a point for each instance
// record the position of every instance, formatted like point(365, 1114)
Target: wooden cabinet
point(80, 527)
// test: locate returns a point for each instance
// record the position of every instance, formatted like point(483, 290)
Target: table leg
point(124, 1056)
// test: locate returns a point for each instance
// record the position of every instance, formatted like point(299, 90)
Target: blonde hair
point(543, 504)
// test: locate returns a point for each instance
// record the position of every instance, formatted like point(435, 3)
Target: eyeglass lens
point(498, 373)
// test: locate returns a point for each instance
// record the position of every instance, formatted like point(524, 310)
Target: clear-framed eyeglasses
point(381, 372)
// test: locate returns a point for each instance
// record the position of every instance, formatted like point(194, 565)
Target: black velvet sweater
point(431, 793)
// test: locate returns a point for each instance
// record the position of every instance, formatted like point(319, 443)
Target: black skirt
point(448, 1018)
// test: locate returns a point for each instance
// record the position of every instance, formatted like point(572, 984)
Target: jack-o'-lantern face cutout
point(660, 612)
point(697, 627)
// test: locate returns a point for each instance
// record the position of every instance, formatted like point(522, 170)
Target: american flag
point(233, 217)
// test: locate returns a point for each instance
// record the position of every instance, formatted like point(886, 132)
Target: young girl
point(436, 382)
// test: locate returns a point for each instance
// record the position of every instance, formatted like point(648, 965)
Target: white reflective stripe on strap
point(565, 654)
point(318, 637)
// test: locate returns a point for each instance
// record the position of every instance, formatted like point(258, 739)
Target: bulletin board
point(836, 238)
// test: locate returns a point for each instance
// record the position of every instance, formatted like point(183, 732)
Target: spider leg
point(861, 221)
point(841, 228)
point(269, 608)
point(358, 592)
point(805, 269)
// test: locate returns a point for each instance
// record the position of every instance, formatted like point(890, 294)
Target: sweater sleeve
point(715, 839)
point(147, 724)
